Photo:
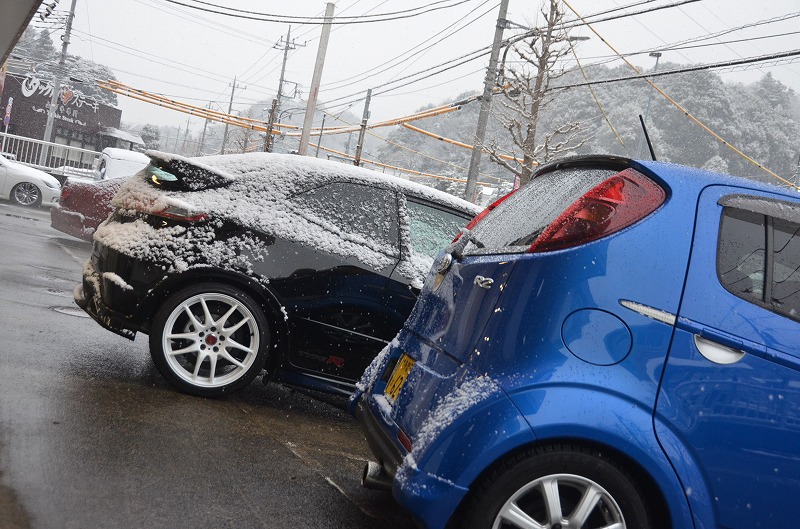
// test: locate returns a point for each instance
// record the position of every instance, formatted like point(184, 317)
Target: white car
point(27, 186)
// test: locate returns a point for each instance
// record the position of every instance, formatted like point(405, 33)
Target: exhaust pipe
point(374, 476)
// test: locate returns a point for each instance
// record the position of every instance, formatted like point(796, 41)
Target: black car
point(235, 264)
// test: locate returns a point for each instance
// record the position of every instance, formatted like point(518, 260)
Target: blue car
point(615, 344)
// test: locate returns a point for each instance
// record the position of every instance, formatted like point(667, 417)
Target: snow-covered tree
point(36, 54)
point(151, 136)
point(537, 63)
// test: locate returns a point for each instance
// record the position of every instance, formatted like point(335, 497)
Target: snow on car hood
point(258, 195)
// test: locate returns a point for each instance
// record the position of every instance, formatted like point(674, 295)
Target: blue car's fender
point(434, 478)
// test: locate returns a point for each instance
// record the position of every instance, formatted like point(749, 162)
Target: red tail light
point(404, 439)
point(618, 202)
point(65, 194)
point(483, 213)
point(177, 212)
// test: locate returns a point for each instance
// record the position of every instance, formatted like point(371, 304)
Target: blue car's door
point(728, 412)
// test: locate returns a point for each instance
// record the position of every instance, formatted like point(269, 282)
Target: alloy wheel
point(26, 194)
point(560, 501)
point(210, 340)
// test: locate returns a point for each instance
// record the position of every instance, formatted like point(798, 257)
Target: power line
point(675, 104)
point(701, 38)
point(335, 84)
point(295, 17)
point(713, 66)
point(355, 19)
point(212, 25)
point(483, 51)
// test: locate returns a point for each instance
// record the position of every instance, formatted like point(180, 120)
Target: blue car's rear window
point(515, 223)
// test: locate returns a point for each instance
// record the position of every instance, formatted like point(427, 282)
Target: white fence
point(58, 160)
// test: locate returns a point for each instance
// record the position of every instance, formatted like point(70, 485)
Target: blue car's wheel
point(557, 487)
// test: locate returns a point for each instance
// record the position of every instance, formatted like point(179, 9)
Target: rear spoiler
point(172, 171)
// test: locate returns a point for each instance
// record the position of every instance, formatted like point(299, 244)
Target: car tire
point(531, 484)
point(26, 194)
point(209, 339)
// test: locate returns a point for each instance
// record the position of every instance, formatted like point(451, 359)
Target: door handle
point(716, 352)
point(483, 282)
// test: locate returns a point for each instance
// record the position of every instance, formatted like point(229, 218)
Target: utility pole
point(347, 145)
point(289, 44)
point(319, 141)
point(270, 125)
point(203, 137)
point(185, 134)
point(315, 80)
point(363, 131)
point(486, 104)
point(177, 138)
point(51, 114)
point(230, 109)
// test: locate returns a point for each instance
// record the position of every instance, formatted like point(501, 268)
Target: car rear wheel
point(557, 487)
point(209, 339)
point(26, 194)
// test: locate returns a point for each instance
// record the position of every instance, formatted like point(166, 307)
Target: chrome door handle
point(717, 353)
point(483, 282)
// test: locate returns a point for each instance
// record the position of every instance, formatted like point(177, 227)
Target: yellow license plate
point(398, 378)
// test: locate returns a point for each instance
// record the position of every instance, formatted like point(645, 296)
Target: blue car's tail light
point(616, 203)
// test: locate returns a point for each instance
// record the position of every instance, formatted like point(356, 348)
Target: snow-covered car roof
point(287, 174)
point(125, 154)
point(260, 191)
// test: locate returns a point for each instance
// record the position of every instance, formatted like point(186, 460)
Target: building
point(80, 121)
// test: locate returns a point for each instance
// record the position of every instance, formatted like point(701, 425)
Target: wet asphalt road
point(92, 437)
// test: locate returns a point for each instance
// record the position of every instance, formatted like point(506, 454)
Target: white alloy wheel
point(209, 340)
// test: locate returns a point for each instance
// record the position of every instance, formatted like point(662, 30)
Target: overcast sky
point(193, 56)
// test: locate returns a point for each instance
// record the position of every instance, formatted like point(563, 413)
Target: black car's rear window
point(184, 176)
point(515, 223)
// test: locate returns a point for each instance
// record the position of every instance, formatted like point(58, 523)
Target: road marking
point(69, 252)
point(317, 467)
point(21, 217)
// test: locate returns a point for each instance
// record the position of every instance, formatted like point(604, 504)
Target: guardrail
point(59, 160)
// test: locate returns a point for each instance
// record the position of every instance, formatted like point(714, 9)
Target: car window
point(431, 229)
point(759, 259)
point(786, 268)
point(365, 211)
point(516, 222)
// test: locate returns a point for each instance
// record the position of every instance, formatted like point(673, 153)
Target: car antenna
point(647, 137)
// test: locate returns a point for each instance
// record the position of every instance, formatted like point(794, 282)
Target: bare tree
point(245, 139)
point(536, 61)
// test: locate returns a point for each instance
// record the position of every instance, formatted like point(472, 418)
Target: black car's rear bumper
point(105, 295)
point(88, 298)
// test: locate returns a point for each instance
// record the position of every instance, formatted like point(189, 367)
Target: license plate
point(398, 378)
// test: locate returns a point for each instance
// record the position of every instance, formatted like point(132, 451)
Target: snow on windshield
point(265, 194)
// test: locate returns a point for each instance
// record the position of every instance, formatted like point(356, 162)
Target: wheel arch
point(264, 296)
point(651, 491)
point(628, 440)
